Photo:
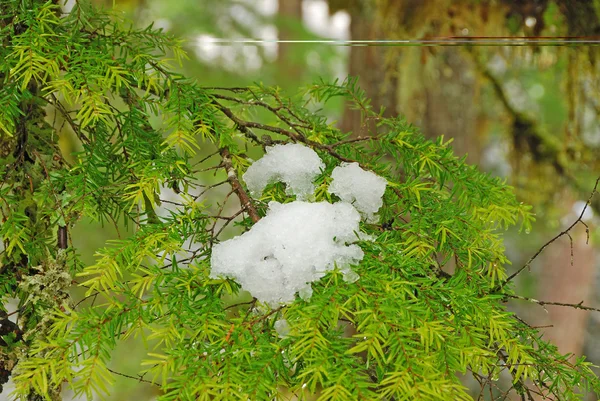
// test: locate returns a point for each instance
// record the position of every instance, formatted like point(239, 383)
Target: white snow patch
point(363, 189)
point(294, 164)
point(350, 276)
point(282, 328)
point(305, 293)
point(293, 245)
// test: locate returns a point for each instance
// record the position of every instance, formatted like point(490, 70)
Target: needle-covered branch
point(333, 288)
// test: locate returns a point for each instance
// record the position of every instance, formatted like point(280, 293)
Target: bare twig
point(209, 187)
point(228, 220)
point(265, 105)
point(242, 126)
point(232, 89)
point(353, 140)
point(138, 378)
point(237, 187)
point(562, 233)
point(543, 303)
point(245, 128)
point(526, 391)
point(251, 302)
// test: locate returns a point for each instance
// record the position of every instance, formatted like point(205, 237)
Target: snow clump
point(294, 164)
point(363, 189)
point(297, 243)
point(293, 245)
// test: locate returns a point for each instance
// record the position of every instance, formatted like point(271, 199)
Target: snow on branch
point(297, 243)
point(361, 188)
point(293, 245)
point(294, 164)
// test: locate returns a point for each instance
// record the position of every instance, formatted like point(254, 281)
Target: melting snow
point(294, 164)
point(363, 189)
point(293, 245)
point(299, 242)
point(282, 328)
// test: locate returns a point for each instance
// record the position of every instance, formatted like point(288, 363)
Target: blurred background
point(526, 109)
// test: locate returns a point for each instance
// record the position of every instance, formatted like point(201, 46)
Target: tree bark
point(369, 64)
point(450, 89)
point(562, 282)
point(289, 10)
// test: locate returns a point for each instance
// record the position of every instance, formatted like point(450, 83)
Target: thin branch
point(562, 233)
point(138, 378)
point(209, 187)
point(237, 187)
point(251, 302)
point(219, 212)
point(265, 316)
point(244, 128)
point(526, 391)
point(74, 126)
point(543, 303)
point(221, 88)
point(227, 221)
point(274, 110)
point(353, 140)
point(206, 158)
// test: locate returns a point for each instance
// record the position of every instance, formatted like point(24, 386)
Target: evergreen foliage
point(428, 308)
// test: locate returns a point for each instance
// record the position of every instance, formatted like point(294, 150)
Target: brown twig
point(275, 110)
point(245, 128)
point(237, 187)
point(228, 220)
point(353, 140)
point(543, 303)
point(562, 233)
point(242, 126)
point(138, 378)
point(231, 89)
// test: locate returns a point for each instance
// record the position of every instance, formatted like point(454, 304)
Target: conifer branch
point(165, 278)
point(244, 127)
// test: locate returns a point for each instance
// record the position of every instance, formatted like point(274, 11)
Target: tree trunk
point(450, 91)
point(369, 64)
point(289, 11)
point(562, 282)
